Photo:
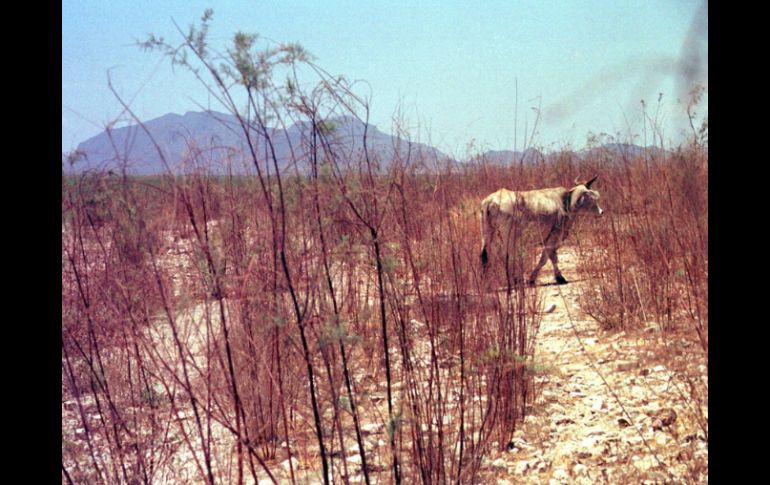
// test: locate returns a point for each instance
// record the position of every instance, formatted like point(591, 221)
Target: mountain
point(507, 157)
point(216, 140)
point(620, 151)
point(609, 152)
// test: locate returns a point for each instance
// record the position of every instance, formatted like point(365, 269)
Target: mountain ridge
point(215, 142)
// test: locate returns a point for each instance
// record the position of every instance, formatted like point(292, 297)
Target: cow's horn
point(588, 184)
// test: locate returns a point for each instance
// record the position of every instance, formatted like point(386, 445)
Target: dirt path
point(578, 431)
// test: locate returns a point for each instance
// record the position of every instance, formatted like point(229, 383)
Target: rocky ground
point(608, 410)
point(611, 407)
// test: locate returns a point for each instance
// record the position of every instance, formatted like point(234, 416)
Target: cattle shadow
point(553, 283)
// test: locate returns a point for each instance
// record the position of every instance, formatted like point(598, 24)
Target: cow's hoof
point(560, 280)
point(531, 282)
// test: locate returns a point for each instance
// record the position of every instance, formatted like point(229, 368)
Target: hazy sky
point(451, 66)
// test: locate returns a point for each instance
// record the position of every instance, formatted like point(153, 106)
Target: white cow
point(554, 209)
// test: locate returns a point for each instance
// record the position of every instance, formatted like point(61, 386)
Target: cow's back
point(503, 200)
point(542, 204)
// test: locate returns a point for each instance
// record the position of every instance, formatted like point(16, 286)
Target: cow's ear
point(588, 184)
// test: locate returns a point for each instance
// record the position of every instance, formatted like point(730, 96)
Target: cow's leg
point(538, 266)
point(513, 267)
point(548, 244)
point(513, 263)
point(555, 262)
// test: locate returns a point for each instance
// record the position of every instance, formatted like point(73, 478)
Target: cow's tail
point(484, 217)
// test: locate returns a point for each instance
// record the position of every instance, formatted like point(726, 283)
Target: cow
point(553, 210)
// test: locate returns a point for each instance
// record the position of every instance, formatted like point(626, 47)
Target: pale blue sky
point(452, 66)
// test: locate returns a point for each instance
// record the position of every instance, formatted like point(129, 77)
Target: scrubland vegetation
point(332, 323)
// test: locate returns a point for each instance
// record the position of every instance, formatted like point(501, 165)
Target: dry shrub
point(217, 317)
point(650, 262)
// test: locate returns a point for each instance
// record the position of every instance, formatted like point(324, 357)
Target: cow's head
point(583, 199)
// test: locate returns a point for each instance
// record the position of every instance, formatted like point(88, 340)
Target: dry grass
point(167, 281)
point(333, 324)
